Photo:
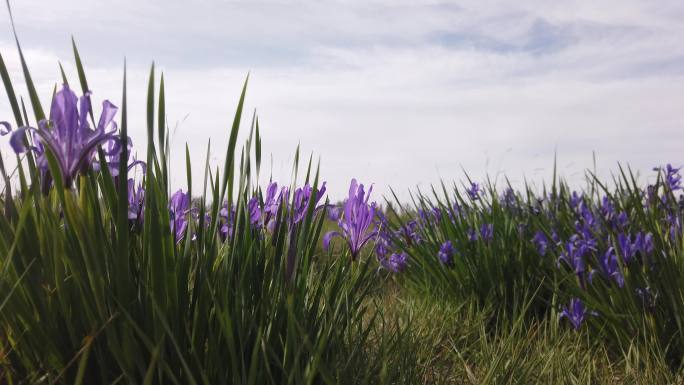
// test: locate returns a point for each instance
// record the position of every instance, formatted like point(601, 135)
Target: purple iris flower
point(607, 209)
point(383, 244)
point(643, 243)
point(334, 213)
point(474, 191)
point(68, 134)
point(136, 199)
point(226, 220)
point(302, 197)
point(254, 210)
point(357, 221)
point(272, 202)
point(471, 234)
point(487, 232)
point(409, 232)
point(609, 267)
point(541, 242)
point(575, 200)
point(179, 207)
point(113, 156)
point(672, 177)
point(622, 220)
point(508, 199)
point(574, 255)
point(396, 263)
point(446, 254)
point(628, 249)
point(575, 313)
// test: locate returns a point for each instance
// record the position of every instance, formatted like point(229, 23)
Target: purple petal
point(327, 237)
point(18, 140)
point(5, 128)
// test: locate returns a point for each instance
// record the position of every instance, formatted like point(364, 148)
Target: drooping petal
point(108, 112)
point(328, 237)
point(18, 140)
point(5, 128)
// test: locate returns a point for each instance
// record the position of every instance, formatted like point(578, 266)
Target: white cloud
point(399, 94)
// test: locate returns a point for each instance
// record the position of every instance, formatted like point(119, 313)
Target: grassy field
point(110, 278)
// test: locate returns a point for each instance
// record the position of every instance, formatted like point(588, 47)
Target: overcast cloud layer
point(393, 92)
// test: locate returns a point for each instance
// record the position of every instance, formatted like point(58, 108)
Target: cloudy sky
point(397, 93)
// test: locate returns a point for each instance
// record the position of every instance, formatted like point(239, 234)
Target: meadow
point(110, 275)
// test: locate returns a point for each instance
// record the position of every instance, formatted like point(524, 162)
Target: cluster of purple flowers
point(68, 135)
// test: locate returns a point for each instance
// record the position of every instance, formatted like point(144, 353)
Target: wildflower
point(409, 233)
point(487, 232)
point(575, 200)
point(541, 242)
point(643, 243)
point(607, 210)
point(227, 219)
point(474, 191)
point(357, 220)
point(446, 254)
point(622, 220)
point(575, 313)
point(574, 255)
point(136, 198)
point(508, 199)
point(302, 197)
point(627, 249)
point(334, 213)
point(254, 210)
point(67, 134)
point(609, 267)
point(396, 263)
point(113, 156)
point(179, 207)
point(471, 234)
point(672, 177)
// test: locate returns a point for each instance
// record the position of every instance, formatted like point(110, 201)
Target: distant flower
point(541, 242)
point(179, 207)
point(643, 243)
point(609, 267)
point(136, 198)
point(574, 254)
point(487, 232)
point(254, 210)
point(474, 191)
point(409, 231)
point(607, 210)
point(113, 157)
point(67, 134)
point(575, 313)
point(508, 198)
point(626, 248)
point(672, 177)
point(356, 224)
point(575, 200)
point(302, 197)
point(396, 262)
point(471, 234)
point(334, 213)
point(622, 220)
point(446, 254)
point(226, 221)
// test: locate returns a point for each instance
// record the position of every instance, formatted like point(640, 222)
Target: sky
point(400, 94)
